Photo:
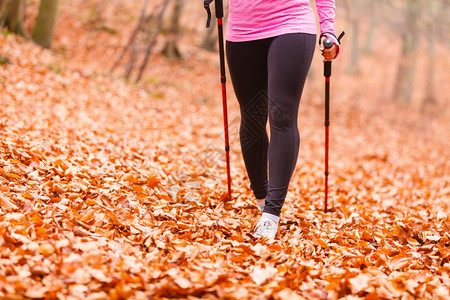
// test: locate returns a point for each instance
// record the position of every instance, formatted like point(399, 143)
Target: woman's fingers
point(329, 54)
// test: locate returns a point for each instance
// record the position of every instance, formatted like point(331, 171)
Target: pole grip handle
point(327, 43)
point(219, 9)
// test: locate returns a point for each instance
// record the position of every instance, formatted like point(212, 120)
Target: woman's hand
point(328, 54)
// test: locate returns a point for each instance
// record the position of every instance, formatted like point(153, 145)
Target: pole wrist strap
point(206, 4)
point(338, 39)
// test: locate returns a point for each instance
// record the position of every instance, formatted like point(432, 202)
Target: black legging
point(268, 76)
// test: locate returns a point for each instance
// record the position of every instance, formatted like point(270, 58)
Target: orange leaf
point(46, 249)
point(27, 196)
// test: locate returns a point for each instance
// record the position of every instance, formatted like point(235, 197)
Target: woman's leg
point(289, 60)
point(247, 62)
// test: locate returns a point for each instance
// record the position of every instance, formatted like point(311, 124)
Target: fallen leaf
point(261, 275)
point(359, 283)
point(46, 249)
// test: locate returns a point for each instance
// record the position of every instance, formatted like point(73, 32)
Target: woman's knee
point(281, 118)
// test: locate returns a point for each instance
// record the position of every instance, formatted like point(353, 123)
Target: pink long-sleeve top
point(258, 19)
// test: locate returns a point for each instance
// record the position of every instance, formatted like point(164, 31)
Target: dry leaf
point(46, 249)
point(36, 292)
point(288, 294)
point(6, 203)
point(182, 282)
point(359, 283)
point(261, 275)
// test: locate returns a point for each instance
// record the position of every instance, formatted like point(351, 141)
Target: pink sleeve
point(326, 11)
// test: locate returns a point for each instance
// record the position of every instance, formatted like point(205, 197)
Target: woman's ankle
point(261, 203)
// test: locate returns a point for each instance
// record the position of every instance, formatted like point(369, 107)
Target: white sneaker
point(266, 228)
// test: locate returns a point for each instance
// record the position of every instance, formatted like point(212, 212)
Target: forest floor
point(111, 189)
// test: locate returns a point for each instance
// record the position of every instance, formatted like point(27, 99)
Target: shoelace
point(265, 228)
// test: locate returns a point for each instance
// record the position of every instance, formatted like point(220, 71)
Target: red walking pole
point(327, 43)
point(223, 80)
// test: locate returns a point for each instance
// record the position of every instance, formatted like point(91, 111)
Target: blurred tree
point(372, 17)
point(139, 27)
point(351, 9)
point(3, 4)
point(143, 37)
point(152, 41)
point(210, 39)
point(171, 49)
point(142, 34)
point(46, 23)
point(431, 26)
point(98, 12)
point(410, 40)
point(13, 16)
point(415, 22)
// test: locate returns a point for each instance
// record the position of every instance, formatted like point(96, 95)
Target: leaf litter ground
point(112, 190)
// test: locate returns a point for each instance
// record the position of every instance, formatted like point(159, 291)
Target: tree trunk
point(405, 74)
point(46, 23)
point(13, 16)
point(368, 43)
point(354, 64)
point(99, 12)
point(210, 39)
point(3, 4)
point(352, 16)
point(430, 94)
point(152, 40)
point(133, 36)
point(171, 48)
